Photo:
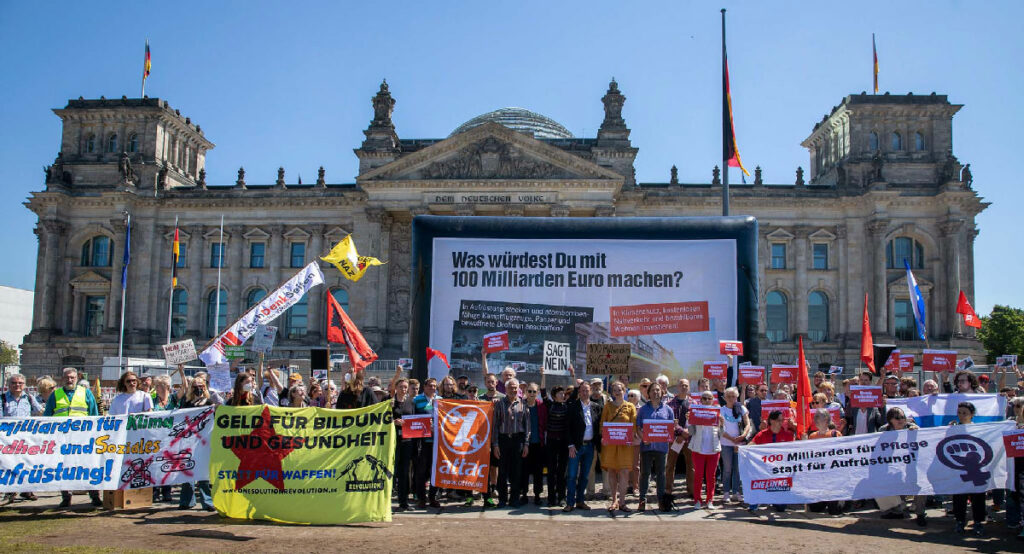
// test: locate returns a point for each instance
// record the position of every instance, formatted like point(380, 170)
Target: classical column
point(842, 287)
point(800, 288)
point(876, 244)
point(316, 297)
point(195, 281)
point(113, 313)
point(76, 313)
point(145, 277)
point(952, 260)
point(50, 233)
point(276, 254)
point(234, 261)
point(379, 218)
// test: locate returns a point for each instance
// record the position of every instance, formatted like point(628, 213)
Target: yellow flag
point(344, 257)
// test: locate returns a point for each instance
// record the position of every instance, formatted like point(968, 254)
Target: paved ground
point(41, 526)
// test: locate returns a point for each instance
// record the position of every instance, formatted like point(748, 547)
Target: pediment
point(822, 235)
point(899, 285)
point(90, 281)
point(780, 235)
point(490, 151)
point(256, 234)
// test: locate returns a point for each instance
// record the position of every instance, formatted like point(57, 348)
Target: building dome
point(519, 120)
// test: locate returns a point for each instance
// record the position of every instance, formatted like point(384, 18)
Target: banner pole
point(325, 387)
point(220, 264)
point(124, 289)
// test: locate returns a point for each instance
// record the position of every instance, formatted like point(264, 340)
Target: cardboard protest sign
point(703, 415)
point(495, 342)
point(1014, 441)
point(938, 360)
point(783, 373)
point(234, 352)
point(617, 434)
point(906, 363)
point(610, 359)
point(405, 364)
point(892, 363)
point(220, 377)
point(835, 370)
point(416, 426)
point(180, 352)
point(730, 347)
point(263, 340)
point(751, 374)
point(866, 396)
point(784, 406)
point(658, 430)
point(556, 358)
point(716, 370)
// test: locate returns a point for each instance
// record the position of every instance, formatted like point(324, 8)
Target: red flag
point(341, 329)
point(964, 307)
point(431, 353)
point(804, 393)
point(867, 353)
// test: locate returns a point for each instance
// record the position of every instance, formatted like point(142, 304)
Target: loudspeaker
point(881, 353)
point(318, 358)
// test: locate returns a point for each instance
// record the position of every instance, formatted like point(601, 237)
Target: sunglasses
point(899, 417)
point(132, 381)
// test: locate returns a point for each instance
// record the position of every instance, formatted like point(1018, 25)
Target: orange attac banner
point(462, 448)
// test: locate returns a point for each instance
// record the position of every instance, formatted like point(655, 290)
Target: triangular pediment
point(489, 152)
point(780, 234)
point(899, 285)
point(90, 281)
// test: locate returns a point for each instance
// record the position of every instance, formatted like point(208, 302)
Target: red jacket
point(766, 436)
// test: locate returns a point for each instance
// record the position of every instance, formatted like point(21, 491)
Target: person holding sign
point(1013, 502)
point(73, 400)
point(965, 416)
point(130, 399)
point(656, 426)
point(705, 444)
point(401, 405)
point(736, 421)
point(617, 459)
point(774, 432)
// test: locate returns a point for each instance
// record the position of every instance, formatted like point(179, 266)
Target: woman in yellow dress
point(617, 460)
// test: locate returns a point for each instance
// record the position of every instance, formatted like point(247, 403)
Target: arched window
point(179, 313)
point(341, 295)
point(817, 317)
point(133, 143)
point(216, 321)
point(904, 248)
point(296, 322)
point(897, 142)
point(873, 142)
point(96, 252)
point(776, 317)
point(904, 327)
point(919, 142)
point(112, 143)
point(90, 144)
point(254, 297)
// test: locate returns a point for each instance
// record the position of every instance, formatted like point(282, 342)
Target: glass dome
point(519, 120)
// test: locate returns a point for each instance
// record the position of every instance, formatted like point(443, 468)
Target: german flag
point(175, 252)
point(730, 153)
point(147, 65)
point(874, 54)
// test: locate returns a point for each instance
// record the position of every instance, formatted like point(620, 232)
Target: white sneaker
point(710, 506)
point(725, 498)
point(697, 506)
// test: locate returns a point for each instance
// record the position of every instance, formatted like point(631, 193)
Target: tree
point(1002, 332)
point(8, 353)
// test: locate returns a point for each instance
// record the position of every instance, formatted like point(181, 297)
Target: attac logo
point(778, 484)
point(462, 451)
point(465, 429)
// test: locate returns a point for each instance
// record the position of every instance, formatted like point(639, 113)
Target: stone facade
point(883, 184)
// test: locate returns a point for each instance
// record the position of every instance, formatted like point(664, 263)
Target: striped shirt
point(512, 418)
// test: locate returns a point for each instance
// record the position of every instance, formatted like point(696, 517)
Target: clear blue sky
point(290, 83)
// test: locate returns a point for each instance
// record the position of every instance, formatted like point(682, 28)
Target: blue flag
point(916, 301)
point(127, 254)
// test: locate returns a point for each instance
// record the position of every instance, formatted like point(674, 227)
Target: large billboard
point(669, 287)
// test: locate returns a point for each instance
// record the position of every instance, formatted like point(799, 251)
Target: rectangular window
point(95, 306)
point(298, 254)
point(903, 320)
point(182, 254)
point(820, 256)
point(256, 252)
point(778, 256)
point(216, 254)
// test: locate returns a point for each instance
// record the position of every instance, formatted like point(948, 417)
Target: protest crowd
point(553, 436)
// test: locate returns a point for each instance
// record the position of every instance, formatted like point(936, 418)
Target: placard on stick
point(610, 359)
point(556, 358)
point(180, 352)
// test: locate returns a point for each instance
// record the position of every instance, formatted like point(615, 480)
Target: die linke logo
point(778, 484)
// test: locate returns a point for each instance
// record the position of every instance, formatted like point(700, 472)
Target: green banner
point(303, 465)
point(234, 352)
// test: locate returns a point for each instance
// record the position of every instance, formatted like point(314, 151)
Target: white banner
point(176, 445)
point(939, 460)
point(180, 352)
point(275, 304)
point(556, 358)
point(940, 409)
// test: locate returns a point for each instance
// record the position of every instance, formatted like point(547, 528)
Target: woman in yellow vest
point(72, 400)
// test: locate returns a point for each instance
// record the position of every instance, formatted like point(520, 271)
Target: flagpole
point(170, 299)
point(144, 72)
point(220, 264)
point(725, 107)
point(956, 316)
point(124, 289)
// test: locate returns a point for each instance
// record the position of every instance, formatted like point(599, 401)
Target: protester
point(146, 383)
point(164, 398)
point(316, 394)
point(44, 388)
point(636, 399)
point(424, 403)
point(402, 405)
point(131, 400)
point(642, 389)
point(965, 415)
point(584, 427)
point(860, 421)
point(414, 387)
point(556, 441)
point(929, 387)
point(491, 394)
point(72, 400)
point(616, 460)
point(194, 393)
point(297, 397)
point(679, 404)
point(964, 382)
point(512, 428)
point(736, 428)
point(706, 447)
point(597, 391)
point(356, 394)
point(754, 405)
point(20, 405)
point(822, 423)
point(243, 393)
point(653, 454)
point(536, 459)
point(774, 432)
point(1015, 497)
point(891, 386)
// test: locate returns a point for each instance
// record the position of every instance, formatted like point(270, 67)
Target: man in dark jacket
point(584, 426)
